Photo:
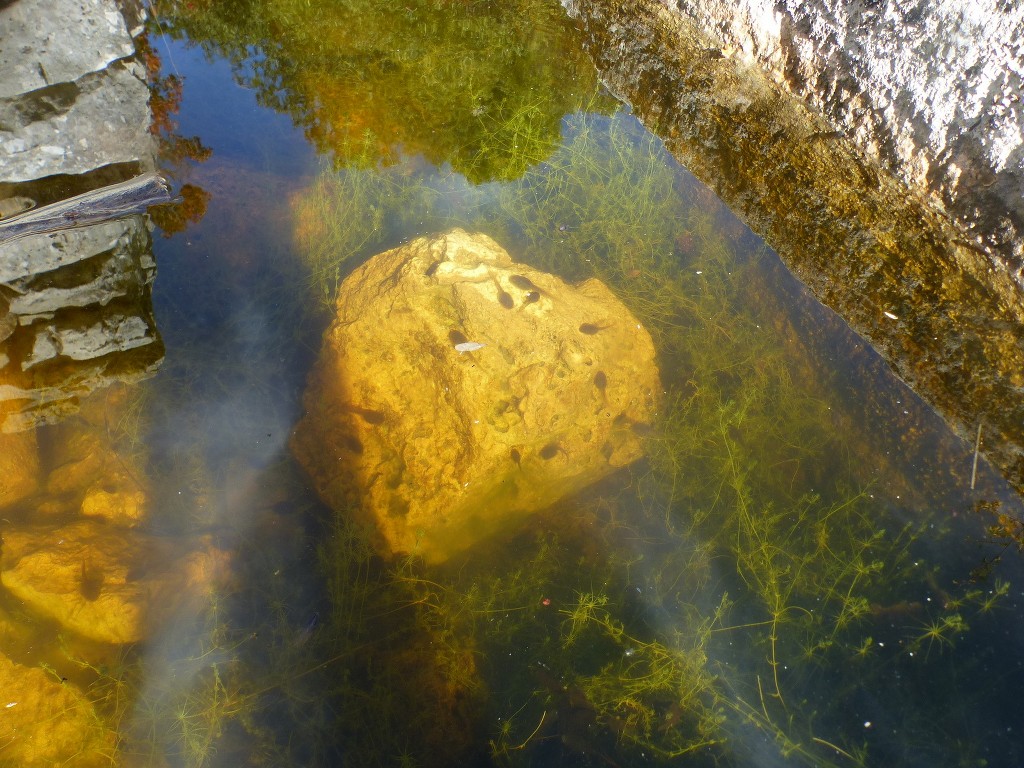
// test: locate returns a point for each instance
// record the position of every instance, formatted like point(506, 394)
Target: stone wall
point(929, 89)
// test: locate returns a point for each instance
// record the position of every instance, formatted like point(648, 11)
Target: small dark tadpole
point(91, 584)
point(600, 380)
point(371, 416)
point(457, 337)
point(590, 328)
point(531, 297)
point(505, 300)
point(432, 269)
point(368, 415)
point(641, 429)
point(516, 456)
point(522, 281)
point(352, 444)
point(551, 450)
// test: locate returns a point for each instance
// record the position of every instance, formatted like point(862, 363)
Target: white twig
point(977, 446)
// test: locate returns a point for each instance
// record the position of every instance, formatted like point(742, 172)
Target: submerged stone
point(466, 444)
point(75, 734)
point(19, 467)
point(105, 582)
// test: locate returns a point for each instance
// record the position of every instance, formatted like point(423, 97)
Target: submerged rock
point(105, 582)
point(437, 443)
point(19, 467)
point(75, 734)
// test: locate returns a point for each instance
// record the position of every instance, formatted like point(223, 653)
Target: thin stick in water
point(977, 446)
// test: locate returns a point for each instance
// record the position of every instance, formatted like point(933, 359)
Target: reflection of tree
point(482, 86)
point(174, 151)
point(188, 208)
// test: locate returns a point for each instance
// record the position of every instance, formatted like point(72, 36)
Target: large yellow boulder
point(457, 391)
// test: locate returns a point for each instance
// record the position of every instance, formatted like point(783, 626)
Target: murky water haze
point(797, 573)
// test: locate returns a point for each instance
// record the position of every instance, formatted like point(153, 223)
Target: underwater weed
point(742, 439)
point(939, 633)
point(656, 696)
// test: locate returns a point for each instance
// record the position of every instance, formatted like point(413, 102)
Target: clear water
point(798, 573)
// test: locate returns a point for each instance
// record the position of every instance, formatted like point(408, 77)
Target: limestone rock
point(74, 734)
point(71, 100)
point(78, 38)
point(436, 448)
point(79, 313)
point(105, 582)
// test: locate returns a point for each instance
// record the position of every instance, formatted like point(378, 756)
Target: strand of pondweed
point(651, 683)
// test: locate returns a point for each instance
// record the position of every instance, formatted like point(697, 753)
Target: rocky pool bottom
point(701, 604)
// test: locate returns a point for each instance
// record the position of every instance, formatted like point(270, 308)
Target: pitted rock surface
point(436, 449)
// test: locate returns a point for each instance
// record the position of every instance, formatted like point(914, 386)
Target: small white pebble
point(890, 315)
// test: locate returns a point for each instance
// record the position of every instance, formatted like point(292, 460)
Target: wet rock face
point(437, 448)
point(931, 91)
point(75, 307)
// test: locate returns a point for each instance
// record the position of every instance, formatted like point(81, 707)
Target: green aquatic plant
point(940, 633)
point(394, 204)
point(658, 696)
point(605, 204)
point(722, 504)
